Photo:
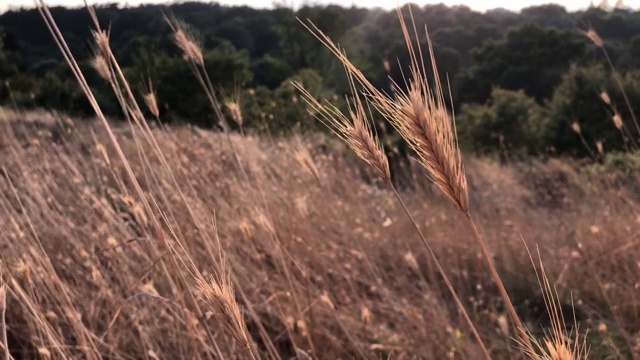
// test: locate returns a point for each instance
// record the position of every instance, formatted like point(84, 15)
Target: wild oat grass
point(592, 34)
point(122, 241)
point(557, 344)
point(420, 116)
point(151, 100)
point(100, 260)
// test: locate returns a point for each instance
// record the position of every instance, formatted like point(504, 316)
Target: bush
point(511, 122)
point(577, 99)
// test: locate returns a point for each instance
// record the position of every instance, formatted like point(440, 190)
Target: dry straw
point(101, 39)
point(421, 119)
point(303, 157)
point(100, 60)
point(420, 115)
point(575, 126)
point(3, 310)
point(597, 40)
point(427, 127)
point(556, 345)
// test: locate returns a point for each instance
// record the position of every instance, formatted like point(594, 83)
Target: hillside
point(323, 261)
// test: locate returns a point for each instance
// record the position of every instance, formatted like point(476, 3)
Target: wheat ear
point(355, 130)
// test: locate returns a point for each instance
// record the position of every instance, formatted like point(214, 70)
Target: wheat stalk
point(420, 116)
point(556, 345)
point(605, 97)
point(3, 310)
point(597, 40)
point(355, 130)
point(236, 112)
point(575, 126)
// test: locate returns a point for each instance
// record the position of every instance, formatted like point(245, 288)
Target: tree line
point(519, 81)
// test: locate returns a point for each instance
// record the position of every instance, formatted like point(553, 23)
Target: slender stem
point(625, 334)
point(586, 145)
point(461, 307)
point(3, 304)
point(624, 93)
point(503, 291)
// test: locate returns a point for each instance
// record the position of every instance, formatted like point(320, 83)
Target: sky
point(480, 5)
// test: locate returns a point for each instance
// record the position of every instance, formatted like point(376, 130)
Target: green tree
point(529, 58)
point(178, 91)
point(511, 122)
point(577, 99)
point(270, 71)
point(299, 47)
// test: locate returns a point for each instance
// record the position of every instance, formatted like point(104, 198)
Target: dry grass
point(557, 344)
point(78, 243)
point(419, 114)
point(185, 246)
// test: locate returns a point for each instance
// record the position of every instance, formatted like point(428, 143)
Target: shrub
point(511, 121)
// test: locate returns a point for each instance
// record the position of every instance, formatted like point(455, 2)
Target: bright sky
point(480, 5)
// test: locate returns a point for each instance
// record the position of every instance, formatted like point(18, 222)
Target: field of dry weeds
point(247, 247)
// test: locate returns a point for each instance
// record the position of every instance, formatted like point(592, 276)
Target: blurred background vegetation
point(518, 81)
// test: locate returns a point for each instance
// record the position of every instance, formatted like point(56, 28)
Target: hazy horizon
point(478, 5)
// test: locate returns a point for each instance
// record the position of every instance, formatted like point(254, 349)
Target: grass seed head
point(427, 126)
point(594, 37)
point(236, 112)
point(600, 147)
point(218, 293)
point(101, 39)
point(354, 129)
point(617, 121)
point(575, 127)
point(190, 49)
point(101, 66)
point(152, 104)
